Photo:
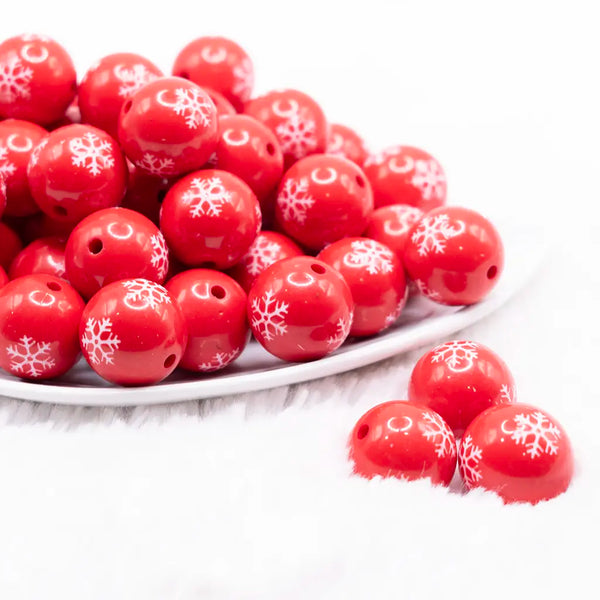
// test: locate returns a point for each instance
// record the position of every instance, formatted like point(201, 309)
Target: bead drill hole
point(60, 211)
point(169, 361)
point(492, 272)
point(217, 291)
point(360, 181)
point(318, 269)
point(95, 246)
point(270, 149)
point(55, 287)
point(363, 430)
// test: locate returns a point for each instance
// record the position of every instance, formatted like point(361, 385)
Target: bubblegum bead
point(168, 127)
point(345, 142)
point(46, 255)
point(37, 79)
point(10, 245)
point(518, 451)
point(300, 309)
point(407, 441)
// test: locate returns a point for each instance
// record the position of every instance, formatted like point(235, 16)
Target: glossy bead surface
point(39, 321)
point(322, 199)
point(518, 451)
point(300, 309)
point(37, 79)
point(407, 441)
point(46, 255)
point(10, 245)
point(3, 277)
point(114, 244)
point(223, 106)
point(406, 175)
point(210, 216)
point(454, 255)
point(132, 333)
point(2, 194)
point(345, 142)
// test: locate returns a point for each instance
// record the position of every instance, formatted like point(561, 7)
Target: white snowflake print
point(6, 167)
point(196, 110)
point(2, 187)
point(145, 292)
point(536, 432)
point(429, 179)
point(207, 196)
point(91, 153)
point(268, 316)
point(424, 289)
point(458, 355)
point(469, 456)
point(440, 434)
point(368, 253)
point(243, 74)
point(30, 357)
point(220, 360)
point(432, 233)
point(506, 393)
point(341, 332)
point(156, 166)
point(261, 255)
point(15, 79)
point(160, 254)
point(404, 218)
point(132, 78)
point(99, 341)
point(297, 135)
point(294, 200)
point(380, 157)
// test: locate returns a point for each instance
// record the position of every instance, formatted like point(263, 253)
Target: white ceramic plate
point(422, 322)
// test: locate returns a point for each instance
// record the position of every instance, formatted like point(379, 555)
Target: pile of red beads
point(256, 214)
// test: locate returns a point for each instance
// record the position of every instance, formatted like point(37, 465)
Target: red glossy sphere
point(37, 79)
point(322, 199)
point(3, 277)
point(210, 217)
point(376, 280)
point(223, 106)
point(406, 175)
point(300, 309)
point(108, 84)
point(345, 142)
point(168, 127)
point(145, 193)
point(10, 245)
point(398, 439)
point(46, 255)
point(132, 333)
point(454, 255)
point(114, 244)
point(518, 451)
point(75, 171)
point(39, 321)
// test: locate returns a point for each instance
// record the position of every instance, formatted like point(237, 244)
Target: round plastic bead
point(407, 441)
point(46, 256)
point(454, 255)
point(10, 246)
point(114, 244)
point(223, 106)
point(39, 316)
point(406, 175)
point(132, 333)
point(168, 127)
point(37, 79)
point(300, 309)
point(345, 142)
point(518, 451)
point(210, 218)
point(322, 199)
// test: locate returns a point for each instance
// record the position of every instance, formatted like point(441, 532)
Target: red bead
point(114, 244)
point(223, 106)
point(17, 141)
point(132, 333)
point(10, 245)
point(454, 255)
point(295, 118)
point(145, 193)
point(75, 171)
point(405, 175)
point(398, 439)
point(300, 309)
point(2, 194)
point(219, 64)
point(37, 79)
point(210, 217)
point(168, 127)
point(39, 316)
point(108, 84)
point(518, 451)
point(459, 380)
point(268, 248)
point(214, 308)
point(323, 199)
point(376, 279)
point(345, 142)
point(3, 277)
point(46, 255)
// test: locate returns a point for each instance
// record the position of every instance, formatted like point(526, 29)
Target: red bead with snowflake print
point(46, 255)
point(376, 280)
point(322, 199)
point(345, 142)
point(10, 245)
point(114, 244)
point(39, 317)
point(223, 106)
point(37, 79)
point(214, 308)
point(403, 440)
point(406, 175)
point(132, 333)
point(295, 118)
point(518, 451)
point(210, 218)
point(108, 84)
point(454, 255)
point(300, 309)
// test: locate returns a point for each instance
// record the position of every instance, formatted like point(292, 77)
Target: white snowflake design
point(207, 196)
point(160, 254)
point(368, 253)
point(458, 355)
point(438, 432)
point(507, 393)
point(341, 332)
point(432, 233)
point(220, 360)
point(132, 78)
point(145, 292)
point(297, 135)
point(261, 255)
point(91, 153)
point(424, 289)
point(15, 79)
point(380, 157)
point(156, 165)
point(268, 315)
point(99, 341)
point(294, 200)
point(6, 167)
point(244, 79)
point(469, 456)
point(196, 110)
point(536, 432)
point(30, 357)
point(429, 179)
point(404, 218)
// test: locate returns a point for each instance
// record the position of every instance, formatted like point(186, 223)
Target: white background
point(249, 497)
